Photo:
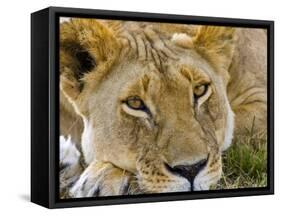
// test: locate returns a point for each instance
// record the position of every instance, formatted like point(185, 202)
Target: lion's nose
point(188, 171)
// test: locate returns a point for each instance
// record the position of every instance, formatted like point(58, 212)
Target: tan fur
point(142, 59)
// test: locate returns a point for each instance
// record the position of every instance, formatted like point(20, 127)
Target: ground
point(245, 162)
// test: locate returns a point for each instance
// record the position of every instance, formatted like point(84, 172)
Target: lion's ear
point(84, 45)
point(216, 44)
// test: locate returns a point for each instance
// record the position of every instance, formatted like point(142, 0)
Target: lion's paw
point(70, 166)
point(101, 179)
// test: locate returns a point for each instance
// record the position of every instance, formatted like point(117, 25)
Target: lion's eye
point(136, 103)
point(135, 106)
point(200, 90)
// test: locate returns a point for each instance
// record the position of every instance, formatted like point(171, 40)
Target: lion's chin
point(177, 184)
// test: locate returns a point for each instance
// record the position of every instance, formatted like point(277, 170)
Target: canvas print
point(150, 107)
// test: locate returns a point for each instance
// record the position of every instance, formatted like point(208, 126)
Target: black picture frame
point(45, 106)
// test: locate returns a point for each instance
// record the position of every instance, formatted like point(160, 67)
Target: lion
point(152, 106)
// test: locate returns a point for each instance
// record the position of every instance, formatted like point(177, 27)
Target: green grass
point(245, 162)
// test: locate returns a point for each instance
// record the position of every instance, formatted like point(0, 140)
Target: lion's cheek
point(128, 164)
point(119, 154)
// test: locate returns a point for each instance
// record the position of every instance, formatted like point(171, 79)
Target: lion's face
point(153, 105)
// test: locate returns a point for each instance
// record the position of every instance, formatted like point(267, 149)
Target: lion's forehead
point(147, 44)
point(153, 45)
